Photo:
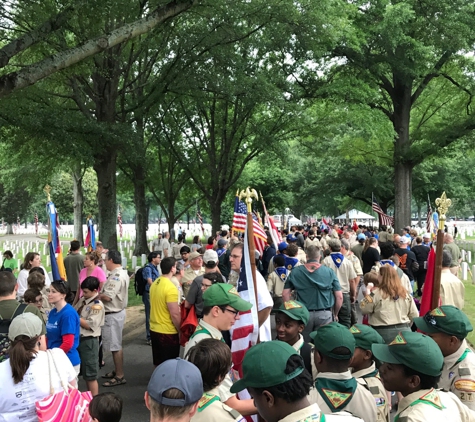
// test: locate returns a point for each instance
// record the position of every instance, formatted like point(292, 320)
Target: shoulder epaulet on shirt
point(206, 400)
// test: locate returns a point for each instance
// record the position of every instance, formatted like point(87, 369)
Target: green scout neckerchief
point(202, 330)
point(431, 398)
point(336, 393)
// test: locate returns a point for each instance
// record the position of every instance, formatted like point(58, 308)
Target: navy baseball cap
point(180, 374)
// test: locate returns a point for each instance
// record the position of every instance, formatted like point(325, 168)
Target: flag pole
point(248, 194)
point(443, 204)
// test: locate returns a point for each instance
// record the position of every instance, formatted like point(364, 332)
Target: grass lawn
point(134, 299)
point(470, 307)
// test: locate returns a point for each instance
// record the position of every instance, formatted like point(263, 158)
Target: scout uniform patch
point(437, 312)
point(233, 291)
point(465, 385)
point(354, 330)
point(432, 398)
point(336, 398)
point(206, 400)
point(399, 339)
point(291, 304)
point(96, 308)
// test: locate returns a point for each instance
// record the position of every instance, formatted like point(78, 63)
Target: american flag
point(245, 330)
point(274, 233)
point(200, 218)
point(119, 220)
point(429, 222)
point(384, 219)
point(36, 222)
point(90, 241)
point(239, 225)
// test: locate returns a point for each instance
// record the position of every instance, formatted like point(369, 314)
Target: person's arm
point(147, 274)
point(338, 302)
point(286, 295)
point(263, 314)
point(67, 342)
point(104, 297)
point(353, 284)
point(174, 310)
point(244, 407)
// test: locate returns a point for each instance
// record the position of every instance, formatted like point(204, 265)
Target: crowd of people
point(323, 364)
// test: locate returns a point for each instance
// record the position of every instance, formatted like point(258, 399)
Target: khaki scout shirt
point(211, 409)
point(362, 403)
point(452, 289)
point(313, 413)
point(275, 284)
point(298, 345)
point(92, 310)
point(376, 388)
point(302, 256)
point(116, 287)
point(313, 241)
point(356, 263)
point(432, 406)
point(189, 275)
point(388, 311)
point(458, 375)
point(345, 273)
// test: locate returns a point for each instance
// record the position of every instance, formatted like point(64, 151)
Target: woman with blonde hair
point(389, 306)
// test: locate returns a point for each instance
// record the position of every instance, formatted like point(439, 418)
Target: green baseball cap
point(221, 294)
point(331, 336)
point(365, 336)
point(295, 310)
point(264, 366)
point(446, 319)
point(414, 350)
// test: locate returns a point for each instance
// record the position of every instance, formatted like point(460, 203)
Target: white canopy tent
point(355, 215)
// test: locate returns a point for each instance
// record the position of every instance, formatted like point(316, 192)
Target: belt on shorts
point(402, 325)
point(319, 310)
point(113, 312)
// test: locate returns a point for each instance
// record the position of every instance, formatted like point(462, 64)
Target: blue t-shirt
point(66, 321)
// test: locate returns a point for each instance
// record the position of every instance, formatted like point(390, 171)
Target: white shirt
point(17, 401)
point(22, 280)
point(264, 300)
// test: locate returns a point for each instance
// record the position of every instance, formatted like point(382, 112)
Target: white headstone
point(143, 259)
point(469, 257)
point(134, 262)
point(464, 271)
point(124, 263)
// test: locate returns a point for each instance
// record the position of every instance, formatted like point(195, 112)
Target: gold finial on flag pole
point(443, 204)
point(47, 190)
point(248, 194)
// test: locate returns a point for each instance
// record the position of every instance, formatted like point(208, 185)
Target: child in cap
point(335, 388)
point(276, 280)
point(364, 367)
point(449, 326)
point(290, 321)
point(213, 358)
point(174, 390)
point(106, 407)
point(412, 364)
point(221, 307)
point(276, 378)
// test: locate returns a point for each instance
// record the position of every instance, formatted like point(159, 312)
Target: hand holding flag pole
point(248, 194)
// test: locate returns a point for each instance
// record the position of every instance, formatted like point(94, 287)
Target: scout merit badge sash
point(290, 263)
point(337, 258)
point(431, 398)
point(282, 272)
point(337, 394)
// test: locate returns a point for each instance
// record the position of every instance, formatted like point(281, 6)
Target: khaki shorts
point(112, 331)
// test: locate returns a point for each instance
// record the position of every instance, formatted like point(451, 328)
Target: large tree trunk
point(78, 203)
point(215, 207)
point(402, 144)
point(9, 229)
point(141, 215)
point(105, 167)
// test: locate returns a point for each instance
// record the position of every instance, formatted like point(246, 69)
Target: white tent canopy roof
point(355, 215)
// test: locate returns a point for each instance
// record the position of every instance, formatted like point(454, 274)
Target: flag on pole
point(426, 300)
point(274, 233)
point(429, 222)
point(54, 245)
point(245, 330)
point(200, 218)
point(384, 219)
point(119, 220)
point(90, 241)
point(36, 222)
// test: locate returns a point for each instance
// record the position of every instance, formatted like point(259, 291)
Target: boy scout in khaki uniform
point(92, 316)
point(335, 388)
point(364, 367)
point(412, 364)
point(448, 327)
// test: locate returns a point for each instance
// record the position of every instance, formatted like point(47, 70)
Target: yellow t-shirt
point(162, 291)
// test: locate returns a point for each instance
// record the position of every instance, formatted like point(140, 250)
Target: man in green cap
point(290, 320)
point(335, 388)
point(364, 367)
point(412, 364)
point(221, 307)
point(449, 326)
point(276, 378)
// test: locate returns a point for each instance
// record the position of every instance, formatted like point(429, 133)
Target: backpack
point(140, 282)
point(4, 326)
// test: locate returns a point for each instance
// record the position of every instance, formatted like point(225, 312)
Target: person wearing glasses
point(222, 305)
